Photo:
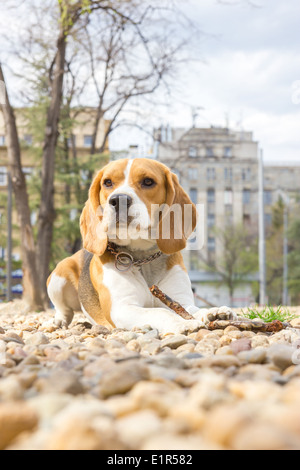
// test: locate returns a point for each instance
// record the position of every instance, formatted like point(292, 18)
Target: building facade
point(78, 146)
point(219, 169)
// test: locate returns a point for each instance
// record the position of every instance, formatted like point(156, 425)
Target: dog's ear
point(93, 236)
point(179, 218)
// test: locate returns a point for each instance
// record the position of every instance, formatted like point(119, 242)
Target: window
point(194, 195)
point(73, 214)
point(72, 141)
point(33, 218)
point(88, 141)
point(27, 172)
point(268, 198)
point(246, 174)
point(193, 153)
point(193, 174)
point(247, 220)
point(28, 139)
point(268, 220)
point(211, 174)
point(2, 140)
point(209, 152)
point(246, 196)
point(211, 220)
point(228, 174)
point(3, 176)
point(211, 196)
point(211, 244)
point(228, 197)
point(227, 152)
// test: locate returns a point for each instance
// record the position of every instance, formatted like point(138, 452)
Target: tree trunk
point(47, 210)
point(31, 286)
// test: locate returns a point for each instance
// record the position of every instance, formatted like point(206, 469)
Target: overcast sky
point(251, 60)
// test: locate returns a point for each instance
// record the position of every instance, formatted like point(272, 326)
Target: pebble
point(37, 339)
point(173, 342)
point(281, 355)
point(121, 379)
point(15, 418)
point(94, 389)
point(59, 382)
point(240, 345)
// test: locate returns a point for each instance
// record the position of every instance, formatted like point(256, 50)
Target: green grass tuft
point(269, 314)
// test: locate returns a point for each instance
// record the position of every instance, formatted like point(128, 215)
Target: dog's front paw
point(222, 313)
point(62, 321)
point(217, 313)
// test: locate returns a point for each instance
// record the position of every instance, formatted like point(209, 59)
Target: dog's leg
point(209, 315)
point(163, 319)
point(64, 297)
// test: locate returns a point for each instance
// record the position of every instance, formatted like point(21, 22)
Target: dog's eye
point(148, 182)
point(108, 183)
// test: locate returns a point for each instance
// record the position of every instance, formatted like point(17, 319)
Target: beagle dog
point(125, 252)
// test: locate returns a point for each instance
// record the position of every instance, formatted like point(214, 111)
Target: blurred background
point(210, 88)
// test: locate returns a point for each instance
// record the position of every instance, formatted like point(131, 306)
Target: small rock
point(122, 378)
point(225, 340)
point(173, 342)
point(15, 418)
point(254, 356)
point(261, 436)
point(100, 330)
point(132, 433)
point(169, 361)
point(235, 334)
point(240, 345)
point(37, 339)
point(10, 388)
point(153, 347)
point(201, 334)
point(133, 345)
point(295, 322)
point(225, 361)
point(259, 341)
point(78, 433)
point(225, 350)
point(60, 382)
point(207, 347)
point(224, 423)
point(281, 355)
point(157, 396)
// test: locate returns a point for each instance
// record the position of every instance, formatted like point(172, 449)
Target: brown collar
point(125, 261)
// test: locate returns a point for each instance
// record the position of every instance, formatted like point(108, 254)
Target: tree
point(32, 291)
point(294, 259)
point(239, 256)
point(123, 50)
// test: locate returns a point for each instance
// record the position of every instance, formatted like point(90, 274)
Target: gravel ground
point(88, 388)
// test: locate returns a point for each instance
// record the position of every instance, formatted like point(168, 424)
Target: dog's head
point(137, 199)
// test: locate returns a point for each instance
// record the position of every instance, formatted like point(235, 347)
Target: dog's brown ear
point(93, 236)
point(180, 215)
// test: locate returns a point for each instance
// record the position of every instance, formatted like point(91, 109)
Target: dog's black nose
point(120, 202)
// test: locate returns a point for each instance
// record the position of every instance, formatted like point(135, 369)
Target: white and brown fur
point(89, 281)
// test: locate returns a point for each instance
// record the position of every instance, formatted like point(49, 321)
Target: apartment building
point(218, 168)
